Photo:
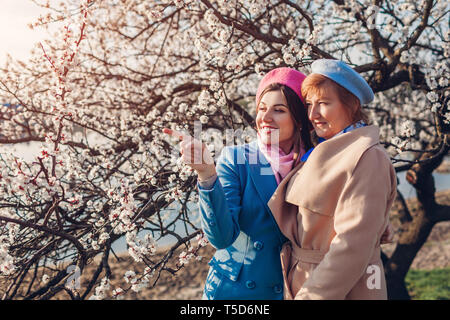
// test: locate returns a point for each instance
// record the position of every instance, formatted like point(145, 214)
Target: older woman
point(334, 206)
point(234, 193)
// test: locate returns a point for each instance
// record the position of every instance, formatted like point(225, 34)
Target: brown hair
point(314, 84)
point(298, 112)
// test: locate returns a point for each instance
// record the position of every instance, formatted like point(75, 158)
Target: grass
point(429, 284)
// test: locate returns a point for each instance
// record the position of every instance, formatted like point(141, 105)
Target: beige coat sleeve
point(359, 221)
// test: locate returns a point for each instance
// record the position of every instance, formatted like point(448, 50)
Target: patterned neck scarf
point(351, 127)
point(280, 162)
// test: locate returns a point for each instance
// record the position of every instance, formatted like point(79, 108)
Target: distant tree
point(96, 95)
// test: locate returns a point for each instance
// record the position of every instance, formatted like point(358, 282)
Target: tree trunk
point(415, 232)
point(409, 244)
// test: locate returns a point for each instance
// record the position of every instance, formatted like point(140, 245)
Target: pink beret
point(287, 76)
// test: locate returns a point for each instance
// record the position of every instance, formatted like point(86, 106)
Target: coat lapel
point(284, 213)
point(308, 184)
point(326, 169)
point(263, 178)
point(261, 173)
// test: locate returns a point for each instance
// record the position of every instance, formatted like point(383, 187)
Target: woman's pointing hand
point(194, 153)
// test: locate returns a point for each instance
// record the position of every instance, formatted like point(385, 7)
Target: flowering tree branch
point(94, 98)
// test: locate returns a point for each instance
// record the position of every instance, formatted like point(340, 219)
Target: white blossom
point(204, 119)
point(45, 278)
point(432, 96)
point(408, 128)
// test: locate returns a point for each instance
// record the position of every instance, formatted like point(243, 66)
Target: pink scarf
point(280, 162)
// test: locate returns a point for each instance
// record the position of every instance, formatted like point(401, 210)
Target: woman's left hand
point(195, 154)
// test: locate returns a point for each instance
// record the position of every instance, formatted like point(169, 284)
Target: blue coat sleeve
point(220, 206)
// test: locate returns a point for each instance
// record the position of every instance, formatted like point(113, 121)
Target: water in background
point(441, 180)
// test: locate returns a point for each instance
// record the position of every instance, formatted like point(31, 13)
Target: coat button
point(211, 223)
point(258, 245)
point(250, 284)
point(277, 289)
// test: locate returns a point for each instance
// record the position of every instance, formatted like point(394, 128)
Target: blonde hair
point(315, 83)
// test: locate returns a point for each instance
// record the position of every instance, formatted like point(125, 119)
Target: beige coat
point(334, 208)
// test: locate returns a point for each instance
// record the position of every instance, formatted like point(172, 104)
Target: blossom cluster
point(185, 256)
point(8, 234)
point(138, 249)
point(137, 282)
point(101, 290)
point(7, 266)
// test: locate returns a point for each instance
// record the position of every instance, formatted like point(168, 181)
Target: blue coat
point(237, 221)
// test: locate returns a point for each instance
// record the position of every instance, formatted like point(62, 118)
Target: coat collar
point(260, 172)
point(349, 128)
point(262, 176)
point(328, 164)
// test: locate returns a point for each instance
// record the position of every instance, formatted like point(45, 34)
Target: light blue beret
point(344, 75)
